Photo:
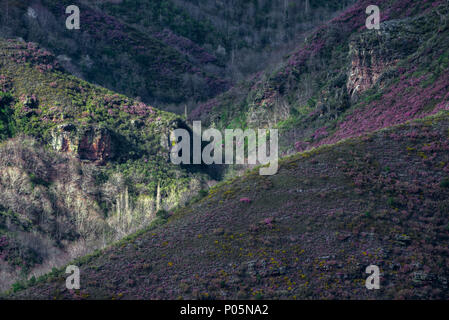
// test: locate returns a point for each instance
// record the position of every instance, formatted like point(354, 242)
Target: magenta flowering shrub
point(113, 104)
point(101, 26)
point(269, 221)
point(404, 101)
point(308, 51)
point(140, 109)
point(97, 23)
point(245, 200)
point(3, 241)
point(301, 146)
point(29, 52)
point(443, 105)
point(405, 8)
point(354, 17)
point(346, 23)
point(203, 109)
point(320, 133)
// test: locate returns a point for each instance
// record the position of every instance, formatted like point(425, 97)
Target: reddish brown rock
point(365, 71)
point(367, 65)
point(374, 52)
point(95, 145)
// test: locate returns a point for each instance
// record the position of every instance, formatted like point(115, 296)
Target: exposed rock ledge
point(91, 143)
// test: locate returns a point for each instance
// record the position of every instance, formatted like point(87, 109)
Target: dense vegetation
point(6, 124)
point(163, 51)
point(76, 157)
point(308, 232)
point(312, 97)
point(363, 116)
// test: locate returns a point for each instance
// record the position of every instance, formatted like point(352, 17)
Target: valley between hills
point(85, 138)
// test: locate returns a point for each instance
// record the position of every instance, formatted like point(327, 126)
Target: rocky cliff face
point(373, 52)
point(107, 174)
point(341, 69)
point(95, 145)
point(366, 68)
point(268, 111)
point(64, 139)
point(90, 143)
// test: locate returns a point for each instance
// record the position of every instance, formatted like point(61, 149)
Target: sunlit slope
point(309, 232)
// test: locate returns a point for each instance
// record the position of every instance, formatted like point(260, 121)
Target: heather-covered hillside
point(86, 178)
point(345, 80)
point(308, 232)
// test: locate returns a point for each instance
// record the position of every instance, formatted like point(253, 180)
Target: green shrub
point(17, 286)
point(392, 202)
point(162, 214)
point(444, 183)
point(6, 116)
point(38, 181)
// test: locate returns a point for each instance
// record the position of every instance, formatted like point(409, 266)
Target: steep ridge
point(80, 166)
point(345, 80)
point(163, 51)
point(259, 33)
point(112, 53)
point(308, 232)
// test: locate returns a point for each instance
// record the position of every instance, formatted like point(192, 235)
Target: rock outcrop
point(93, 144)
point(366, 68)
point(374, 51)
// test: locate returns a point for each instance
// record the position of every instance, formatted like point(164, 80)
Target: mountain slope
point(81, 166)
point(345, 80)
point(164, 51)
point(308, 232)
point(115, 54)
